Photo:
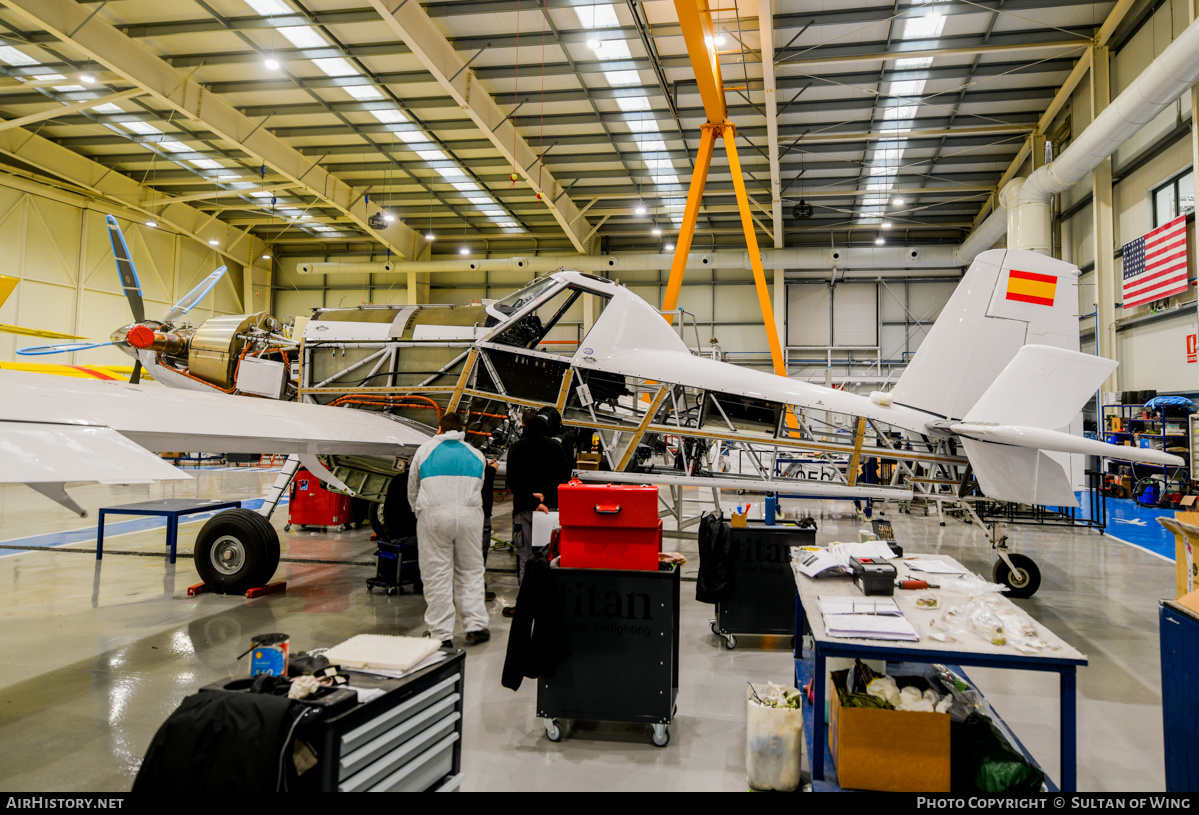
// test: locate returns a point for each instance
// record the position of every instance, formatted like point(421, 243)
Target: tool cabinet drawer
point(401, 734)
point(395, 717)
point(414, 766)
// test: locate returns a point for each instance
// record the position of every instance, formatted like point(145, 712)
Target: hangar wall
point(57, 244)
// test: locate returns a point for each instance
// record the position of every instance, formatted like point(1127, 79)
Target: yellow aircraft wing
point(83, 371)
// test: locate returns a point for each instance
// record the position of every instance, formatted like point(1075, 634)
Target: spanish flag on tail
point(1030, 287)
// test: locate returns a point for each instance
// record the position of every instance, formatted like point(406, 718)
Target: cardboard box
point(1186, 567)
point(888, 750)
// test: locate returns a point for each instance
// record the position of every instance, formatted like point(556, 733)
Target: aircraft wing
point(55, 429)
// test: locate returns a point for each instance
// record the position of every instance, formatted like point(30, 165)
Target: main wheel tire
point(1024, 582)
point(237, 550)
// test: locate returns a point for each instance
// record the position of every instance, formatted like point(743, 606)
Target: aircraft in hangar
point(987, 410)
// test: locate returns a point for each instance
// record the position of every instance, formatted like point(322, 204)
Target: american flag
point(1155, 264)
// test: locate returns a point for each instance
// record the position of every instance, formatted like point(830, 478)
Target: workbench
point(169, 508)
point(1060, 658)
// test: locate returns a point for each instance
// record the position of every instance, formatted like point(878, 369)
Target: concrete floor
point(94, 656)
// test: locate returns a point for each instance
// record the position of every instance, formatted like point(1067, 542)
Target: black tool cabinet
point(408, 740)
point(761, 599)
point(622, 650)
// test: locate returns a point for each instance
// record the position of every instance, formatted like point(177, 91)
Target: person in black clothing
point(536, 466)
point(488, 501)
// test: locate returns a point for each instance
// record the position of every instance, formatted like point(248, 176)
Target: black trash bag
point(983, 761)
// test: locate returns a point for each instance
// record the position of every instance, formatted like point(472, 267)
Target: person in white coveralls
point(445, 482)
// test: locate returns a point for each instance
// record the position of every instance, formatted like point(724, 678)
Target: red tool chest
point(310, 504)
point(609, 526)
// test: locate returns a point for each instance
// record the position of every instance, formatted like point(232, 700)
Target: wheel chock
point(272, 588)
point(199, 588)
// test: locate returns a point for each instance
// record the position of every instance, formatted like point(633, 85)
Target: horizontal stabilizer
point(1019, 474)
point(1042, 386)
point(1037, 438)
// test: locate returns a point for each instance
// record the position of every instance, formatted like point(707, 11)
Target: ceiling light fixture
point(879, 240)
point(271, 63)
point(152, 223)
point(88, 78)
point(898, 202)
point(640, 210)
point(657, 231)
point(429, 236)
point(464, 251)
point(886, 224)
point(266, 256)
point(214, 242)
point(594, 43)
point(387, 216)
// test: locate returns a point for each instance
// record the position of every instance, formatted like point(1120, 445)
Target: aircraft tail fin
point(1018, 436)
point(1007, 299)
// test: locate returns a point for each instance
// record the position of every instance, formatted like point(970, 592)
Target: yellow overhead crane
point(695, 19)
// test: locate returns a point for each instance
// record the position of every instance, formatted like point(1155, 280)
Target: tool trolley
point(761, 600)
point(621, 659)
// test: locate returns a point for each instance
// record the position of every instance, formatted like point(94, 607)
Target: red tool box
point(609, 526)
point(310, 504)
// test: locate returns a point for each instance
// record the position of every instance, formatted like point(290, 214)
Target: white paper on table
point(544, 523)
point(929, 566)
point(859, 605)
point(812, 564)
point(864, 549)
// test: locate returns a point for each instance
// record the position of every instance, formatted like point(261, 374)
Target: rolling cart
point(762, 598)
point(622, 650)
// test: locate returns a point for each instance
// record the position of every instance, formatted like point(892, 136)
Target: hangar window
point(1173, 198)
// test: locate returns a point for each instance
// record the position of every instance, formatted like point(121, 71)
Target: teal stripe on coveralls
point(451, 458)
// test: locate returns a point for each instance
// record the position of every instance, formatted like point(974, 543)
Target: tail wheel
point(237, 550)
point(1024, 581)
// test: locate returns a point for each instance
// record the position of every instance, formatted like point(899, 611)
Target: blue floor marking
point(112, 529)
point(1136, 525)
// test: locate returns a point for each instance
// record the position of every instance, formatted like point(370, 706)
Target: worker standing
point(536, 466)
point(445, 492)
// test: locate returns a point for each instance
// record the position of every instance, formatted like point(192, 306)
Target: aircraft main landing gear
point(236, 550)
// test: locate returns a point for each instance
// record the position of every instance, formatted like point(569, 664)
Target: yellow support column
point(755, 256)
point(695, 194)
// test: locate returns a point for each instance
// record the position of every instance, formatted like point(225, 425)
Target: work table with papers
point(1051, 654)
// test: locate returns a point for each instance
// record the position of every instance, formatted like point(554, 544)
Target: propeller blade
point(136, 376)
point(62, 348)
point(125, 267)
point(193, 297)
